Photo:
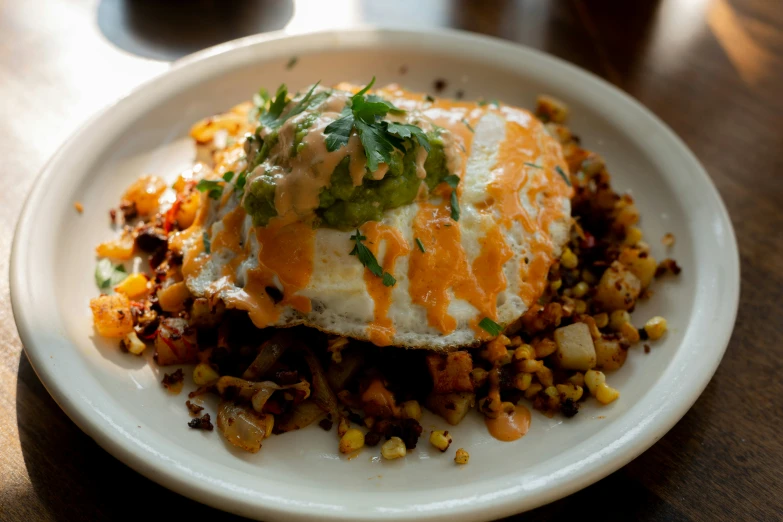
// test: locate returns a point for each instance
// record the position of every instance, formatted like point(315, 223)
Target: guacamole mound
point(345, 206)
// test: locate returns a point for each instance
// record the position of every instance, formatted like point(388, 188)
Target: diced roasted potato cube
point(134, 286)
point(575, 349)
point(205, 315)
point(112, 315)
point(451, 372)
point(451, 406)
point(176, 342)
point(120, 248)
point(378, 401)
point(609, 354)
point(618, 289)
point(186, 211)
point(640, 263)
point(173, 297)
point(551, 109)
point(144, 193)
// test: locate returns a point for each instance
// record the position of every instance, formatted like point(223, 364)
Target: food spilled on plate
point(347, 256)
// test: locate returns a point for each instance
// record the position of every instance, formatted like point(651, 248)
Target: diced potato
point(186, 212)
point(451, 406)
point(204, 374)
point(451, 372)
point(176, 342)
point(575, 349)
point(378, 401)
point(120, 248)
point(111, 315)
point(144, 193)
point(134, 286)
point(173, 297)
point(609, 354)
point(640, 263)
point(551, 109)
point(618, 288)
point(205, 315)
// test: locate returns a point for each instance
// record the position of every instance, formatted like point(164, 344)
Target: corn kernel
point(601, 320)
point(545, 348)
point(343, 426)
point(593, 378)
point(655, 327)
point(606, 394)
point(570, 391)
point(529, 365)
point(204, 374)
point(545, 376)
point(588, 277)
point(269, 421)
point(555, 285)
point(524, 352)
point(533, 390)
point(351, 441)
point(580, 289)
point(577, 379)
point(461, 457)
point(394, 448)
point(569, 259)
point(515, 342)
point(632, 236)
point(618, 318)
point(522, 381)
point(441, 440)
point(479, 377)
point(580, 306)
point(133, 344)
point(411, 410)
point(630, 333)
point(134, 286)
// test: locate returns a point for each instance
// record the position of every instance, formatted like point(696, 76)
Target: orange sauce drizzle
point(381, 330)
point(509, 426)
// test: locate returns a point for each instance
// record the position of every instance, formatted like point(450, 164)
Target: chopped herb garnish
point(420, 245)
point(490, 326)
point(213, 188)
point(207, 243)
point(533, 165)
point(563, 175)
point(454, 206)
point(367, 258)
point(467, 124)
point(228, 176)
point(108, 275)
point(379, 138)
point(239, 186)
point(276, 106)
point(429, 98)
point(273, 117)
point(451, 180)
point(292, 62)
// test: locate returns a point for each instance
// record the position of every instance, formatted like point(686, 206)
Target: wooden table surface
point(711, 69)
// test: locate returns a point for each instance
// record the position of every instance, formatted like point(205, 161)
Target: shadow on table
point(74, 479)
point(171, 29)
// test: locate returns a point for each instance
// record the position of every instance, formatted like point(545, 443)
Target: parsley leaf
point(305, 103)
point(563, 175)
point(239, 186)
point(228, 176)
point(276, 106)
point(367, 258)
point(213, 188)
point(454, 206)
point(490, 326)
point(420, 245)
point(207, 243)
point(292, 62)
point(108, 275)
point(533, 165)
point(405, 130)
point(339, 131)
point(377, 146)
point(451, 180)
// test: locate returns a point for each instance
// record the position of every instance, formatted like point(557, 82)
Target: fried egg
point(490, 263)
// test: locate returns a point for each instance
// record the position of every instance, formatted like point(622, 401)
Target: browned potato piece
point(609, 354)
point(173, 297)
point(640, 263)
point(121, 248)
point(144, 193)
point(111, 315)
point(551, 109)
point(175, 342)
point(204, 315)
point(451, 406)
point(618, 289)
point(451, 372)
point(575, 350)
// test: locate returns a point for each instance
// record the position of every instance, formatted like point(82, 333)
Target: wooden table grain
point(711, 69)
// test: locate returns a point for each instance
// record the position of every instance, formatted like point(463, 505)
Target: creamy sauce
point(381, 330)
point(509, 426)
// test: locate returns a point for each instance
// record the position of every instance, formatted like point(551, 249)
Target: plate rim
point(482, 507)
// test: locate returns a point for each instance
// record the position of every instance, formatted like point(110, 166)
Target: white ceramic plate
point(117, 399)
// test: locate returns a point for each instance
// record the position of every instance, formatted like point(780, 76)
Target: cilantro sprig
point(273, 117)
point(452, 181)
point(367, 258)
point(108, 275)
point(490, 326)
point(379, 138)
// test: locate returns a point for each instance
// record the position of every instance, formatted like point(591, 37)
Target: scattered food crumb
point(439, 85)
point(113, 215)
point(292, 62)
point(459, 94)
point(461, 457)
point(194, 409)
point(79, 207)
point(646, 348)
point(173, 381)
point(667, 266)
point(201, 423)
point(403, 69)
point(668, 239)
